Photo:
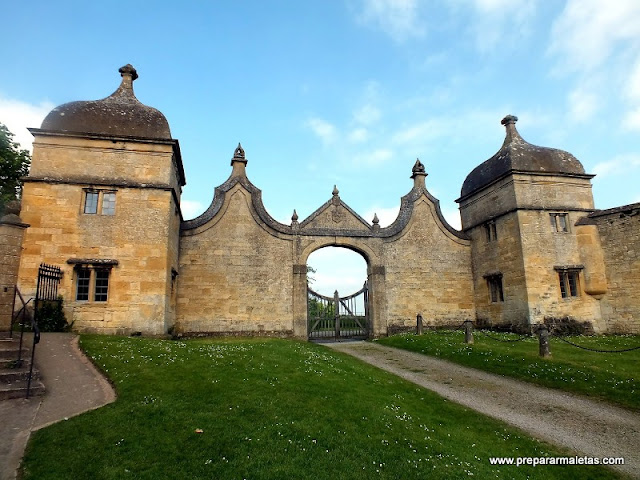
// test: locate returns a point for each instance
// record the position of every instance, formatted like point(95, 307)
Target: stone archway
point(242, 271)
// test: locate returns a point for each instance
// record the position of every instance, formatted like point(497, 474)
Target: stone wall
point(236, 276)
point(428, 271)
point(619, 230)
point(11, 232)
point(136, 243)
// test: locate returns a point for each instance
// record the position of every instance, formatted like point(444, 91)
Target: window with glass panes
point(569, 283)
point(83, 280)
point(99, 202)
point(92, 283)
point(101, 285)
point(91, 202)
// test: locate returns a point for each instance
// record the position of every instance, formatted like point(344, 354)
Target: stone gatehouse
point(102, 201)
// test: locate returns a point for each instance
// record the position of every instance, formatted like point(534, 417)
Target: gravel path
point(588, 427)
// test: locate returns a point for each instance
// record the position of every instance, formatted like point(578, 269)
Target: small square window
point(491, 231)
point(108, 203)
point(559, 222)
point(91, 202)
point(99, 202)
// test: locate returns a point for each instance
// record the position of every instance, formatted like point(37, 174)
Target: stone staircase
point(14, 377)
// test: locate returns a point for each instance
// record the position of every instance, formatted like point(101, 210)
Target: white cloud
point(397, 18)
point(633, 83)
point(620, 164)
point(632, 120)
point(588, 32)
point(583, 104)
point(322, 129)
point(18, 116)
point(425, 130)
point(367, 115)
point(358, 135)
point(494, 19)
point(191, 208)
point(373, 158)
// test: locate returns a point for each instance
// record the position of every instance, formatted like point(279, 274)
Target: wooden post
point(543, 337)
point(419, 324)
point(468, 331)
point(336, 313)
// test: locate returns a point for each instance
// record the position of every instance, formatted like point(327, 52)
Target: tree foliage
point(14, 164)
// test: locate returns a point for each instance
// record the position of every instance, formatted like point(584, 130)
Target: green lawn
point(272, 409)
point(608, 376)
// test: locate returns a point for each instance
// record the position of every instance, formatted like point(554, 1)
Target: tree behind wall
point(14, 164)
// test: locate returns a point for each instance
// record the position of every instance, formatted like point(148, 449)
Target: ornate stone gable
point(335, 217)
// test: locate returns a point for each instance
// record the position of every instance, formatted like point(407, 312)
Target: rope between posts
point(523, 337)
point(445, 331)
point(596, 349)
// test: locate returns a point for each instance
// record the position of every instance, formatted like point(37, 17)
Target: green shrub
point(51, 317)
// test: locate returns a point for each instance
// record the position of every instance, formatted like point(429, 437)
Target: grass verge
point(608, 376)
point(272, 409)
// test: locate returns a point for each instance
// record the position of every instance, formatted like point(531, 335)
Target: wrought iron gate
point(338, 317)
point(46, 291)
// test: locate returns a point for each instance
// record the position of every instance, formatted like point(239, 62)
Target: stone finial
point(238, 162)
point(294, 217)
point(129, 71)
point(376, 223)
point(418, 175)
point(512, 134)
point(418, 167)
point(124, 93)
point(239, 152)
point(335, 200)
point(509, 120)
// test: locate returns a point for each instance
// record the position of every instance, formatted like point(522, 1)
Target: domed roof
point(521, 156)
point(120, 114)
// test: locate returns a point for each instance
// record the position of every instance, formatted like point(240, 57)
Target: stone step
point(9, 363)
point(10, 375)
point(10, 351)
point(18, 389)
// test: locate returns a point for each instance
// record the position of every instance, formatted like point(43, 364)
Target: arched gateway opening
point(337, 295)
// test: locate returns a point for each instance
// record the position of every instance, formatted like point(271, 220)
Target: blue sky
point(345, 92)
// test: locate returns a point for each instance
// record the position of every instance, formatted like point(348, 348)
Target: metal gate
point(332, 318)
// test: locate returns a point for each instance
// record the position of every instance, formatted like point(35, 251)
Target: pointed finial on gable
point(376, 223)
point(239, 152)
point(418, 174)
point(294, 217)
point(238, 162)
point(336, 197)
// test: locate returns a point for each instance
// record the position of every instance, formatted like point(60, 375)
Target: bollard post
point(419, 324)
point(468, 331)
point(336, 302)
point(543, 337)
